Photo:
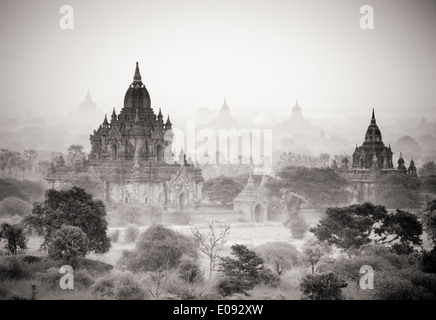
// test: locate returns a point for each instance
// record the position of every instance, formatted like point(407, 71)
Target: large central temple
point(128, 157)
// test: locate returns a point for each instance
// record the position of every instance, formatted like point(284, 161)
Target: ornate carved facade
point(135, 132)
point(127, 155)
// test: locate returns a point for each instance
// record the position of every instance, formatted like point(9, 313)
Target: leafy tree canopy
point(158, 248)
point(223, 189)
point(72, 207)
point(398, 191)
point(351, 227)
point(321, 187)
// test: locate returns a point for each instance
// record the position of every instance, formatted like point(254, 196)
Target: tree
point(322, 287)
point(402, 226)
point(428, 260)
point(13, 162)
point(348, 227)
point(243, 273)
point(43, 168)
point(189, 270)
point(158, 248)
point(14, 236)
point(119, 286)
point(351, 227)
point(211, 242)
point(313, 250)
point(429, 219)
point(75, 152)
point(429, 183)
point(72, 207)
point(396, 190)
point(276, 208)
point(222, 189)
point(91, 183)
point(281, 256)
point(321, 187)
point(324, 158)
point(428, 169)
point(294, 220)
point(29, 156)
point(68, 244)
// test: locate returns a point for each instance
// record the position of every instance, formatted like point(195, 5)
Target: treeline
point(13, 162)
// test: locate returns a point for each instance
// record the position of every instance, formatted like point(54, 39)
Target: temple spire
point(137, 76)
point(373, 116)
point(250, 182)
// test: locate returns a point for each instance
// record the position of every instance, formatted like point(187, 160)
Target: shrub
point(82, 279)
point(50, 278)
point(244, 272)
point(31, 259)
point(16, 296)
point(14, 236)
point(119, 286)
point(428, 261)
point(281, 256)
point(12, 268)
point(158, 247)
point(114, 235)
point(131, 233)
point(189, 270)
point(322, 287)
point(68, 244)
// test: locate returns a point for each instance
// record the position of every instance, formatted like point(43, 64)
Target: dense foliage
point(322, 287)
point(351, 227)
point(158, 248)
point(398, 191)
point(68, 244)
point(243, 273)
point(281, 256)
point(14, 236)
point(72, 207)
point(321, 187)
point(223, 189)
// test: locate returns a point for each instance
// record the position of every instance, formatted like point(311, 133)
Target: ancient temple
point(297, 113)
point(225, 119)
point(370, 162)
point(373, 153)
point(132, 157)
point(251, 201)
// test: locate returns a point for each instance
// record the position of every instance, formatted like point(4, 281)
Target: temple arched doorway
point(182, 200)
point(259, 213)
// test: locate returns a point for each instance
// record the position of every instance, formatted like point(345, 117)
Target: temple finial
point(373, 116)
point(137, 76)
point(250, 182)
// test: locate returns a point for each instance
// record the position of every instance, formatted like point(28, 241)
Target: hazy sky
point(261, 55)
